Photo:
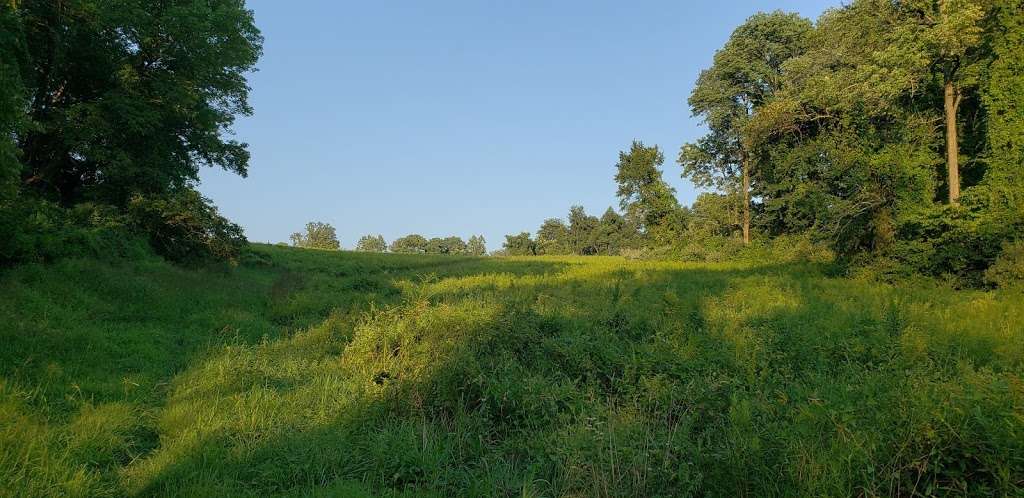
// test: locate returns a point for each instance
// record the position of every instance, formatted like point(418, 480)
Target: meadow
point(326, 373)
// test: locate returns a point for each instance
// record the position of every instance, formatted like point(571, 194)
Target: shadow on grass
point(500, 378)
point(410, 375)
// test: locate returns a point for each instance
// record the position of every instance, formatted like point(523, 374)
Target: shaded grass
point(307, 373)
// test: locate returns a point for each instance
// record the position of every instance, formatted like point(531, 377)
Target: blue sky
point(464, 117)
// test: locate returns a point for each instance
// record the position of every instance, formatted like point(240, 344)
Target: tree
point(643, 193)
point(129, 97)
point(372, 243)
point(581, 231)
point(12, 100)
point(410, 244)
point(714, 214)
point(746, 73)
point(520, 245)
point(950, 35)
point(318, 236)
point(553, 237)
point(477, 246)
point(454, 245)
point(613, 233)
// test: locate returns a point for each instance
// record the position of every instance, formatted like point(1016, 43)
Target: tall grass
point(307, 373)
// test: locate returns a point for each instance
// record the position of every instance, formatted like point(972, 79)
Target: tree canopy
point(318, 235)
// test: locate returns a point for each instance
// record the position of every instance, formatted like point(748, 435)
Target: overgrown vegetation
point(318, 373)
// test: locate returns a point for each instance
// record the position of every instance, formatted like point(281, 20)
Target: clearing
point(310, 373)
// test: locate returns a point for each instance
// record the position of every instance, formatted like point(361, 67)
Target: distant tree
point(613, 233)
point(410, 244)
point(553, 237)
point(477, 246)
point(520, 245)
point(372, 243)
point(581, 231)
point(318, 236)
point(454, 245)
point(435, 245)
point(644, 195)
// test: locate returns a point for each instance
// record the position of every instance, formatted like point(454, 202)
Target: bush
point(38, 231)
point(186, 227)
point(1008, 270)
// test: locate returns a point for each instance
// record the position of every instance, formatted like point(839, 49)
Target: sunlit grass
point(310, 373)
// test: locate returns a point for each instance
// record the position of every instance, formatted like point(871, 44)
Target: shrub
point(186, 227)
point(1008, 270)
point(41, 231)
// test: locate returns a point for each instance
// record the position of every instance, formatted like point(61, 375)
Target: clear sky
point(464, 117)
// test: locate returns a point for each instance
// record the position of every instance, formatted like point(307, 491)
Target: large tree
point(745, 75)
point(949, 35)
point(133, 96)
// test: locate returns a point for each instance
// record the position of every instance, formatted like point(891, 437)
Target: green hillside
point(316, 373)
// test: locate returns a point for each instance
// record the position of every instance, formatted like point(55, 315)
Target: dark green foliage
point(838, 125)
point(185, 227)
point(12, 102)
point(112, 107)
point(131, 96)
point(584, 235)
point(41, 231)
point(520, 245)
point(372, 243)
point(1008, 269)
point(453, 245)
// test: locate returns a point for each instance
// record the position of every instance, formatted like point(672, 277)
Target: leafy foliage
point(648, 202)
point(410, 244)
point(185, 227)
point(131, 97)
point(520, 245)
point(318, 235)
point(372, 243)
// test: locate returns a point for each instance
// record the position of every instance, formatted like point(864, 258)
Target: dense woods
point(890, 132)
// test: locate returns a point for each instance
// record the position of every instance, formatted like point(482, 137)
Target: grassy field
point(306, 373)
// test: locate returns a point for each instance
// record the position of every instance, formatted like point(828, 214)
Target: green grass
point(307, 373)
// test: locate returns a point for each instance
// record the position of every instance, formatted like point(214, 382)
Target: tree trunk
point(952, 103)
point(746, 200)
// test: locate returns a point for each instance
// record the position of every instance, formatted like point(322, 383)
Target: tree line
point(893, 132)
point(319, 235)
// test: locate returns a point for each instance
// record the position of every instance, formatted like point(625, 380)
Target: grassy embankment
point(315, 373)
